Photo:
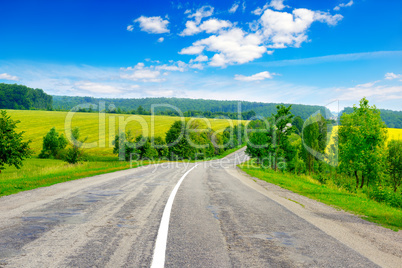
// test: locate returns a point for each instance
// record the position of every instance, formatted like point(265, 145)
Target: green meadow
point(45, 172)
point(99, 129)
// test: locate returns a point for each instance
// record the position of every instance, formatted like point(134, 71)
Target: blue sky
point(309, 52)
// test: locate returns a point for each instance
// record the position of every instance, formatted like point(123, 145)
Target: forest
point(185, 105)
point(13, 96)
point(19, 97)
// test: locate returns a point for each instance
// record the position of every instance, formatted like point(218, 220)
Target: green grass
point(37, 123)
point(45, 172)
point(358, 203)
point(38, 172)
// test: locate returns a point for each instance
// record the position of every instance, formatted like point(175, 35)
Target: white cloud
point(6, 76)
point(160, 39)
point(376, 93)
point(201, 58)
point(214, 25)
point(254, 77)
point(391, 76)
point(152, 73)
point(231, 46)
point(192, 50)
point(178, 66)
point(96, 87)
point(234, 7)
point(154, 25)
point(140, 72)
point(130, 28)
point(277, 4)
point(209, 26)
point(282, 29)
point(338, 7)
point(203, 12)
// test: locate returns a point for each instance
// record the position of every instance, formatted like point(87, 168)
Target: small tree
point(362, 137)
point(74, 154)
point(395, 162)
point(52, 144)
point(12, 149)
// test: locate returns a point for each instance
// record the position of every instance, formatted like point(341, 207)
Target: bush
point(385, 195)
point(52, 144)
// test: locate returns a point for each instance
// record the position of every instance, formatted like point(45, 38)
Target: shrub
point(52, 144)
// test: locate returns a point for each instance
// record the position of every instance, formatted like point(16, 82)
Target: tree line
point(360, 158)
point(19, 97)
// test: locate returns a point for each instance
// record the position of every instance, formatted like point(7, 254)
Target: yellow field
point(99, 130)
point(393, 134)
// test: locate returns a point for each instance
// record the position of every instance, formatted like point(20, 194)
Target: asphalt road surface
point(219, 217)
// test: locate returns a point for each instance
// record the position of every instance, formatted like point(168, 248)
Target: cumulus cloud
point(6, 76)
point(154, 25)
point(388, 76)
point(192, 50)
point(282, 29)
point(234, 7)
point(160, 39)
point(209, 26)
point(254, 77)
point(277, 4)
point(273, 30)
point(96, 87)
point(130, 28)
point(203, 12)
point(338, 7)
point(231, 46)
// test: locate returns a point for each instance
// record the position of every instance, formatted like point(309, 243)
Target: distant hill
point(13, 96)
point(393, 119)
point(184, 104)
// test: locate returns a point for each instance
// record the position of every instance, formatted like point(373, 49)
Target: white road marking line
point(158, 259)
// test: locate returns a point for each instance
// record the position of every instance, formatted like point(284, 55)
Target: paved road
point(218, 219)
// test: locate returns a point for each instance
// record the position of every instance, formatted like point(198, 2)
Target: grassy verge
point(45, 172)
point(358, 203)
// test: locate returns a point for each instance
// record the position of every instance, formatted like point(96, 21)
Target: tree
point(74, 154)
point(12, 149)
point(124, 145)
point(314, 135)
point(52, 144)
point(298, 124)
point(271, 141)
point(362, 137)
point(177, 142)
point(394, 158)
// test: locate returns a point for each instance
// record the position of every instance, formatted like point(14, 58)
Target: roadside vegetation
point(56, 159)
point(360, 171)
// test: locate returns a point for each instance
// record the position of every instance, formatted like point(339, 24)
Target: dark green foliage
point(23, 98)
point(393, 119)
point(12, 149)
point(190, 107)
point(385, 195)
point(362, 137)
point(269, 140)
point(314, 135)
point(394, 159)
point(298, 124)
point(52, 144)
point(75, 154)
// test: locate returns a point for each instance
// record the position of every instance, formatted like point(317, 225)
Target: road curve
point(219, 218)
